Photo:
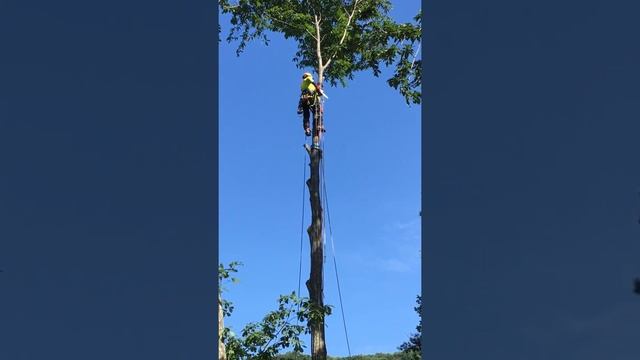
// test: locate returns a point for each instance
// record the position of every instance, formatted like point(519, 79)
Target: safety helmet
point(307, 75)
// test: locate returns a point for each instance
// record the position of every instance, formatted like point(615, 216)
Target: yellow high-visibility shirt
point(307, 84)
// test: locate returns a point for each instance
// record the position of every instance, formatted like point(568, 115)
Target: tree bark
point(315, 231)
point(222, 354)
point(315, 284)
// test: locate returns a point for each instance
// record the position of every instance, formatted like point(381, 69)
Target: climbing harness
point(311, 101)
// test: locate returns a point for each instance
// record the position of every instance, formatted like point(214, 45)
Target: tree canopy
point(413, 347)
point(338, 38)
point(276, 332)
point(378, 356)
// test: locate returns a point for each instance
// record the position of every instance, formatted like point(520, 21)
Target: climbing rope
point(318, 117)
point(333, 249)
point(304, 175)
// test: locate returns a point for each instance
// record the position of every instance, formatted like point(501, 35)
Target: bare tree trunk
point(222, 354)
point(315, 230)
point(315, 284)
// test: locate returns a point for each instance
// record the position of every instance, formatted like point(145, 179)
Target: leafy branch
point(338, 38)
point(276, 332)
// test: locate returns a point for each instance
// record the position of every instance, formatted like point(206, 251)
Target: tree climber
point(308, 100)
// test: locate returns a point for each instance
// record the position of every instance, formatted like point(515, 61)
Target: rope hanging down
point(325, 201)
point(333, 249)
point(304, 175)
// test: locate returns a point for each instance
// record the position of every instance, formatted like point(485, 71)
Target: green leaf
point(354, 39)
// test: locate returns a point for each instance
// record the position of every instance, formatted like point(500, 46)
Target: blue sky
point(372, 168)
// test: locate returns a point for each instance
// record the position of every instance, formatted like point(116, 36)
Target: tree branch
point(318, 49)
point(226, 6)
point(231, 7)
point(282, 326)
point(313, 9)
point(286, 23)
point(415, 55)
point(344, 33)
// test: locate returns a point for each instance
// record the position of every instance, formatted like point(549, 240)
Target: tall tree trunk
point(222, 354)
point(315, 282)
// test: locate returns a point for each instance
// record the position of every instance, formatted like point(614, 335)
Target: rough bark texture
point(222, 355)
point(315, 282)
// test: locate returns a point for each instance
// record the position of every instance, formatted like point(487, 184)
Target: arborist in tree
point(308, 101)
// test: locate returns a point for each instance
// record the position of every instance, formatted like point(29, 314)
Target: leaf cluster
point(336, 37)
point(414, 345)
point(378, 356)
point(276, 332)
point(225, 273)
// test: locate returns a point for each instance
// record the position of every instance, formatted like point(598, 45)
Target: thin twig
point(266, 346)
point(272, 18)
point(286, 23)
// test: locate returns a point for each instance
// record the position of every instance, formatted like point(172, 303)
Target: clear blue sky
point(372, 166)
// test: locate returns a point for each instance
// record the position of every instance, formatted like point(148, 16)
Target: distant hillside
point(379, 356)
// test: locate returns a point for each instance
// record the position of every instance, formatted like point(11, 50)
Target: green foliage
point(336, 37)
point(265, 339)
point(276, 332)
point(379, 356)
point(413, 347)
point(225, 273)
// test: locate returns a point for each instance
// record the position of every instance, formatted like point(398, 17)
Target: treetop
point(338, 38)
